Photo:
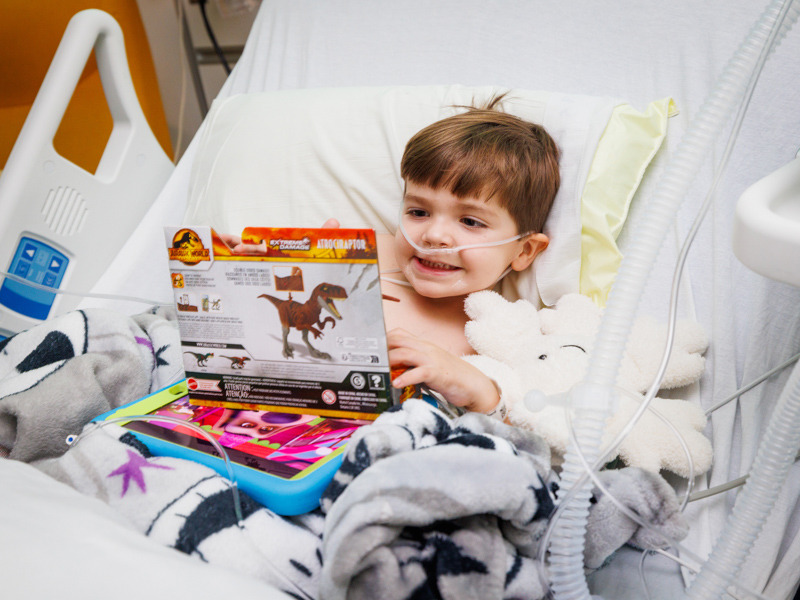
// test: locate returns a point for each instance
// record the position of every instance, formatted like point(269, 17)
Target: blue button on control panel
point(38, 262)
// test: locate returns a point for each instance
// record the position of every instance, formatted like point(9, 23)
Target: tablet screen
point(281, 444)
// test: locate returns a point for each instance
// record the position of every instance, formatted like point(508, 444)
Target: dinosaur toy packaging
point(294, 326)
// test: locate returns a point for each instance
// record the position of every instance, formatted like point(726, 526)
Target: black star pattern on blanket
point(134, 442)
point(160, 361)
point(4, 343)
point(214, 514)
point(427, 502)
point(545, 501)
point(439, 556)
point(53, 348)
point(71, 368)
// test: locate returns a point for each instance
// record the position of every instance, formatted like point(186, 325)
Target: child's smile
point(433, 267)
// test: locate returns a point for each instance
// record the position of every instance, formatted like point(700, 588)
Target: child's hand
point(458, 381)
point(234, 242)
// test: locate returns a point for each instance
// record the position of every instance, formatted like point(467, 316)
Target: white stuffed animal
point(548, 351)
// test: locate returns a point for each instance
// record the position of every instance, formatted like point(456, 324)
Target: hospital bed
point(634, 52)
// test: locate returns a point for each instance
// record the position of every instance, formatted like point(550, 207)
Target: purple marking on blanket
point(133, 470)
point(145, 342)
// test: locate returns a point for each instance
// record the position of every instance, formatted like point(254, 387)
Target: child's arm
point(458, 381)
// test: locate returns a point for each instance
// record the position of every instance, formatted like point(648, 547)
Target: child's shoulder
point(440, 321)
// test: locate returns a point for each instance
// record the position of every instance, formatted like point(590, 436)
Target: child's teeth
point(437, 265)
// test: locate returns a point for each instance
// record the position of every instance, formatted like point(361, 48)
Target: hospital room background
point(680, 131)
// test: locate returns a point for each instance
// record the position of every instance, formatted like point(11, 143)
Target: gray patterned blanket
point(424, 506)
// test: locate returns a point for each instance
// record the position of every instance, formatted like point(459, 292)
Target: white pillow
point(296, 158)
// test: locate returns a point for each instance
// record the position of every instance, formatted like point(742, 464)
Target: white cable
point(183, 58)
point(694, 569)
point(645, 554)
point(753, 384)
point(677, 559)
point(82, 294)
point(592, 473)
point(719, 489)
point(724, 487)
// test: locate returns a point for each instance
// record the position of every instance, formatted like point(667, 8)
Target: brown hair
point(487, 153)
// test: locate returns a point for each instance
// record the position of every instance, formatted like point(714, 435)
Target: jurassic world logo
point(188, 248)
point(283, 245)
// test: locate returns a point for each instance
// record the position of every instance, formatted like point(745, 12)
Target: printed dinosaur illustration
point(290, 283)
point(201, 359)
point(237, 362)
point(188, 240)
point(305, 317)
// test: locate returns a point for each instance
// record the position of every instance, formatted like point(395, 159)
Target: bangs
point(475, 167)
point(487, 155)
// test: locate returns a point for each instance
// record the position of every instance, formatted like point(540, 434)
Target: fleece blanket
point(424, 505)
point(60, 374)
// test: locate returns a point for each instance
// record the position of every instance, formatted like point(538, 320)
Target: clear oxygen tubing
point(775, 456)
point(592, 400)
point(666, 540)
point(453, 249)
point(655, 386)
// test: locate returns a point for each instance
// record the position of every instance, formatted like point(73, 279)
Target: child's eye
point(470, 222)
point(417, 213)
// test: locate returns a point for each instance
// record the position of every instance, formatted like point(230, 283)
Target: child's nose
point(438, 234)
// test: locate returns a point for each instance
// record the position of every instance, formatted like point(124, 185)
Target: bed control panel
point(60, 225)
point(37, 262)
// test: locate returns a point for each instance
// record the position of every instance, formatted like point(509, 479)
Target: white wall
point(163, 33)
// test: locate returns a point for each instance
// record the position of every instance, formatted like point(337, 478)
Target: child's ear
point(531, 247)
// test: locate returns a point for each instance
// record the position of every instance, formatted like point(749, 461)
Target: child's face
point(438, 219)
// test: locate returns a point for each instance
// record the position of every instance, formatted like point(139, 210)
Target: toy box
point(295, 327)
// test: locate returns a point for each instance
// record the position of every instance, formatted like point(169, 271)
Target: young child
point(478, 188)
point(480, 177)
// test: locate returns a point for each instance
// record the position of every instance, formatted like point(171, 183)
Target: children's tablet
point(282, 460)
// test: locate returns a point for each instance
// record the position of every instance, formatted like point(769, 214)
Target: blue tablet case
point(296, 495)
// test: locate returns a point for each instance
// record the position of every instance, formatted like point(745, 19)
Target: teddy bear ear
point(573, 314)
point(499, 328)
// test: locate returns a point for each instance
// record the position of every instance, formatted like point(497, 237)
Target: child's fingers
point(418, 366)
point(250, 248)
point(399, 337)
point(403, 356)
point(230, 240)
point(411, 376)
